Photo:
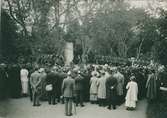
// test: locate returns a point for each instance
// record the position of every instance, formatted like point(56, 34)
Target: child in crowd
point(132, 92)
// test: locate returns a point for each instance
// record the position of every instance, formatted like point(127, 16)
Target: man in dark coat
point(151, 86)
point(79, 86)
point(111, 93)
point(3, 81)
point(60, 75)
point(14, 81)
point(68, 93)
point(51, 80)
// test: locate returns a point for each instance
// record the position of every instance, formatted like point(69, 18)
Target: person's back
point(24, 73)
point(24, 81)
point(68, 87)
point(93, 84)
point(132, 94)
point(51, 79)
point(151, 87)
point(34, 79)
point(111, 93)
point(79, 82)
point(68, 90)
point(133, 87)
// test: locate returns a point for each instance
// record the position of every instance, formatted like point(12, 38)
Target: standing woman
point(102, 89)
point(151, 86)
point(14, 81)
point(24, 81)
point(131, 95)
point(93, 88)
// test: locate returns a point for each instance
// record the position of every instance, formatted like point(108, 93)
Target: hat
point(41, 70)
point(102, 71)
point(69, 73)
point(95, 74)
point(132, 78)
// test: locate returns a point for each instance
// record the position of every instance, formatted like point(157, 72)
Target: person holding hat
point(68, 86)
point(35, 81)
point(131, 95)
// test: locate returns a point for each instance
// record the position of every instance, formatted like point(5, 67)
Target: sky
point(146, 3)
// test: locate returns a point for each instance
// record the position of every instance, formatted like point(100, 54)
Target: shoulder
point(32, 74)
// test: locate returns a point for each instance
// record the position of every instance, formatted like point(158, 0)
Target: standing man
point(111, 92)
point(42, 84)
point(120, 86)
point(51, 81)
point(68, 91)
point(35, 81)
point(79, 86)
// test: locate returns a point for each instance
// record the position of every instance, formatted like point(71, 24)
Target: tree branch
point(11, 13)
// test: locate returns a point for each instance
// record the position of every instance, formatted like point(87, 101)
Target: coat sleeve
point(31, 81)
point(62, 87)
point(148, 81)
point(136, 88)
point(127, 86)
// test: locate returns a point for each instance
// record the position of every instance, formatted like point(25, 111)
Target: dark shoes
point(69, 114)
point(109, 108)
point(82, 105)
point(130, 108)
point(36, 105)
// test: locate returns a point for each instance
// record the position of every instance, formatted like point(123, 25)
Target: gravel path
point(22, 108)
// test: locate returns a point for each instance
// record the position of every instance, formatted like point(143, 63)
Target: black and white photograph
point(83, 59)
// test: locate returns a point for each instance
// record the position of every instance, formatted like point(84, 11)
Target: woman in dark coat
point(151, 86)
point(14, 81)
point(3, 81)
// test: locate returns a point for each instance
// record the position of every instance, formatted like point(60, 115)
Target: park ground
point(22, 108)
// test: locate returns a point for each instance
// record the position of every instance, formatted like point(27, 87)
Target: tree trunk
point(139, 49)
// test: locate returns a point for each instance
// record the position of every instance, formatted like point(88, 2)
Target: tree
point(9, 38)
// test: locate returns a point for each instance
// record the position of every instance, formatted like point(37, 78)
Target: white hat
point(41, 70)
point(69, 73)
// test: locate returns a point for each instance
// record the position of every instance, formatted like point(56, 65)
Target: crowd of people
point(104, 85)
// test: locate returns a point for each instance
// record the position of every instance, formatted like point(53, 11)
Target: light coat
point(131, 96)
point(93, 85)
point(24, 80)
point(101, 88)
